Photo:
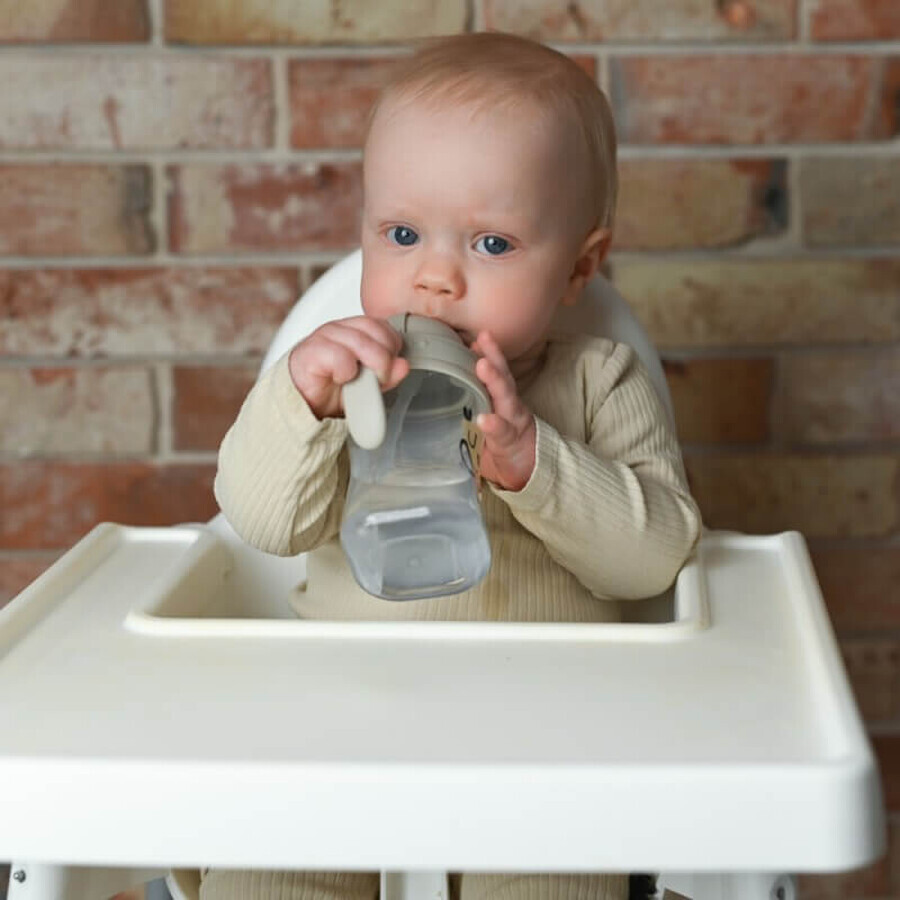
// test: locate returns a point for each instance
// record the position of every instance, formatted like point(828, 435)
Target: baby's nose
point(440, 276)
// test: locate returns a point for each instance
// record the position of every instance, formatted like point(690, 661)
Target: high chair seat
point(163, 708)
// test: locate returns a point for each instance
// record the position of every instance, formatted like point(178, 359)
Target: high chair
point(162, 708)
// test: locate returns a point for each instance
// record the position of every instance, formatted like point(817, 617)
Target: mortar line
point(729, 48)
point(162, 49)
point(623, 48)
point(326, 156)
point(795, 201)
point(164, 395)
point(159, 218)
point(225, 156)
point(604, 76)
point(281, 106)
point(685, 353)
point(9, 555)
point(755, 249)
point(873, 102)
point(746, 253)
point(228, 259)
point(804, 10)
point(477, 15)
point(216, 359)
point(156, 11)
point(192, 457)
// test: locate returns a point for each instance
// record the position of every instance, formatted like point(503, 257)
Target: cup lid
point(428, 345)
point(433, 346)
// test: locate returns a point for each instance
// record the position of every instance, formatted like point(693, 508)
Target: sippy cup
point(412, 525)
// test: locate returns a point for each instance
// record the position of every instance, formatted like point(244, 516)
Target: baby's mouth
point(465, 336)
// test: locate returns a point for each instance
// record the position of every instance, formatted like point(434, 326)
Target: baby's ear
point(592, 252)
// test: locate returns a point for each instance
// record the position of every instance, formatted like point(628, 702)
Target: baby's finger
point(399, 371)
point(332, 361)
point(378, 329)
point(500, 385)
point(490, 349)
point(375, 350)
point(500, 432)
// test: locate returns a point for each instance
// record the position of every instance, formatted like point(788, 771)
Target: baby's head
point(489, 188)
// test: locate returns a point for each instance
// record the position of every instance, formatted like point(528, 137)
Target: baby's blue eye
point(492, 244)
point(401, 235)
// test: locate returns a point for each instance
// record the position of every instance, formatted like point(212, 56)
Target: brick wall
point(172, 173)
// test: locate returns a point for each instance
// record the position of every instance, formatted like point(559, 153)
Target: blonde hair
point(491, 70)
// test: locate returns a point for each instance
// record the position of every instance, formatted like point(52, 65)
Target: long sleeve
point(611, 504)
point(606, 515)
point(282, 473)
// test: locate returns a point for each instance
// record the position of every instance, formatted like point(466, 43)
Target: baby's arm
point(615, 509)
point(282, 475)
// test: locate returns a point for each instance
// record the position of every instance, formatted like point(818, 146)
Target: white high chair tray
point(141, 727)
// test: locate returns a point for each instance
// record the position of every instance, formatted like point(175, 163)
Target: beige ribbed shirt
point(606, 516)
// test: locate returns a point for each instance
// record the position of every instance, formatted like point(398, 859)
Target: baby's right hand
point(322, 363)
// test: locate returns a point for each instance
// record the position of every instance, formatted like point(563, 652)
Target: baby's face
point(471, 220)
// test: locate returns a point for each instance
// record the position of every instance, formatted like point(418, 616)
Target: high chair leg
point(742, 886)
point(184, 884)
point(34, 881)
point(414, 886)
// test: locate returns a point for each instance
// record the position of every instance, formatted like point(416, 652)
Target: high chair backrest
point(601, 310)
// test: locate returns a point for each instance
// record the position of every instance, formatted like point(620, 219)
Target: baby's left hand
point(509, 431)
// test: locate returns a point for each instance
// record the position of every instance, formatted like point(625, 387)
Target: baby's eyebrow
point(406, 221)
point(493, 225)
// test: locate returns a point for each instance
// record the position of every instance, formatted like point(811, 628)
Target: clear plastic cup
point(412, 525)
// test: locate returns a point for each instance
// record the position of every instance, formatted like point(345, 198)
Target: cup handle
point(364, 409)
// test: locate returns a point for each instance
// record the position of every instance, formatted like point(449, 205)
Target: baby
point(489, 187)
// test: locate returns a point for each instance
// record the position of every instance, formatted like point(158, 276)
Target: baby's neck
point(527, 367)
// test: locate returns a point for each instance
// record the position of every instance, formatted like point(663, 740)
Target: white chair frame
point(601, 311)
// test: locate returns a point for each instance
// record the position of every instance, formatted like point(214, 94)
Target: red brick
point(207, 400)
point(860, 583)
point(226, 209)
point(66, 411)
point(74, 20)
point(752, 99)
point(63, 210)
point(641, 20)
point(275, 22)
point(855, 20)
point(746, 302)
point(849, 201)
point(873, 665)
point(135, 312)
point(682, 203)
point(331, 99)
point(18, 570)
point(121, 102)
point(887, 750)
point(820, 496)
point(838, 397)
point(721, 401)
point(49, 505)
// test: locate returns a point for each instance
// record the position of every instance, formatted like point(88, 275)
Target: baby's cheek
point(373, 298)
